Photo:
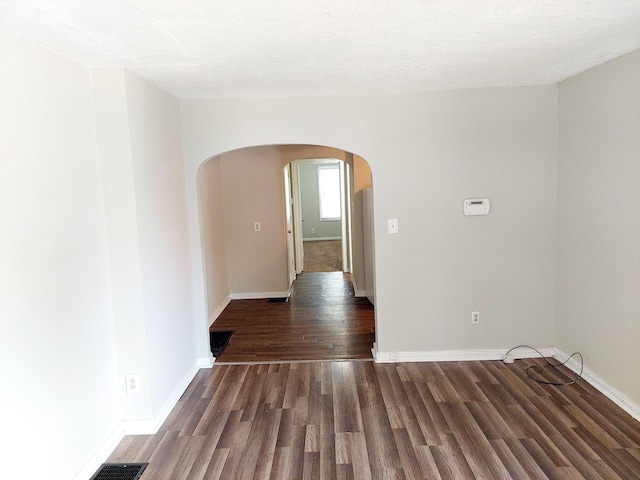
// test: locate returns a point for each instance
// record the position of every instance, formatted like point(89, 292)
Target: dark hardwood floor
point(321, 321)
point(361, 420)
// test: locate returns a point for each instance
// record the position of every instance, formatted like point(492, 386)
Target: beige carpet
point(323, 256)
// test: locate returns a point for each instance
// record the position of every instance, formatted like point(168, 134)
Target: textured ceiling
point(265, 48)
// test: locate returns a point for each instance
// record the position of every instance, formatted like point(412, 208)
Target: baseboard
point(258, 295)
point(143, 426)
point(357, 292)
point(318, 239)
point(219, 309)
point(603, 387)
point(137, 427)
point(453, 355)
point(151, 426)
point(100, 455)
point(206, 362)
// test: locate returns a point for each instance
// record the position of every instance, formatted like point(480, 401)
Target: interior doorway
point(246, 238)
point(321, 196)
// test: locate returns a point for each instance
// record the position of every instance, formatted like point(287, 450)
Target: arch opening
point(246, 252)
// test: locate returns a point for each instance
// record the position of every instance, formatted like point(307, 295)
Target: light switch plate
point(392, 225)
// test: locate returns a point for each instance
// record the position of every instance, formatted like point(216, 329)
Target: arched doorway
point(244, 229)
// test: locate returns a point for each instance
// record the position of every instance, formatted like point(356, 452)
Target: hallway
point(321, 321)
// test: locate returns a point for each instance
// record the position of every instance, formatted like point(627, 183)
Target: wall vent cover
point(120, 471)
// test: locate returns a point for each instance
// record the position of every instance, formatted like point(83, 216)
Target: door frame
point(288, 214)
point(345, 203)
point(298, 240)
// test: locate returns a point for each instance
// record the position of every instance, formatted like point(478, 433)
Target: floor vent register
point(120, 471)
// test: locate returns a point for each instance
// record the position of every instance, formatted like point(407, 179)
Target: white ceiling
point(265, 48)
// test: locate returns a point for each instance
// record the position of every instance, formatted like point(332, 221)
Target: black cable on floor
point(539, 368)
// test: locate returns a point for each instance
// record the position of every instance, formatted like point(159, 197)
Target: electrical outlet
point(475, 318)
point(133, 383)
point(257, 227)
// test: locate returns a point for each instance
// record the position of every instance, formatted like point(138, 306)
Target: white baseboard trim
point(603, 387)
point(357, 292)
point(219, 309)
point(143, 426)
point(206, 362)
point(150, 426)
point(317, 239)
point(258, 295)
point(454, 355)
point(100, 455)
point(138, 427)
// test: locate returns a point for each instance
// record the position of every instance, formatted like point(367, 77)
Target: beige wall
point(368, 246)
point(235, 189)
point(428, 152)
point(361, 174)
point(253, 192)
point(598, 252)
point(210, 188)
point(357, 240)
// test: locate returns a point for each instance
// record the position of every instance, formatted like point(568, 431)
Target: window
point(329, 192)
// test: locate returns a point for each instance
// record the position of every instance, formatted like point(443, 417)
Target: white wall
point(427, 153)
point(58, 360)
point(598, 253)
point(140, 156)
point(118, 193)
point(95, 268)
point(158, 171)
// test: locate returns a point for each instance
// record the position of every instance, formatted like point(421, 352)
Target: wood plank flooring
point(322, 321)
point(361, 420)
